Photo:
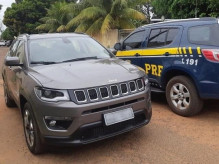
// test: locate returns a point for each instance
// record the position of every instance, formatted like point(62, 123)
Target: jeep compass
point(72, 91)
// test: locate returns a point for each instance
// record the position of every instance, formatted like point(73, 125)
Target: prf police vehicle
point(181, 58)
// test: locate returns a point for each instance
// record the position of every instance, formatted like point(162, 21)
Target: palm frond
point(95, 27)
point(87, 14)
point(108, 21)
point(61, 28)
point(125, 24)
point(82, 27)
point(133, 14)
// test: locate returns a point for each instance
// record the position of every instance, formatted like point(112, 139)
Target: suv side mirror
point(118, 46)
point(12, 61)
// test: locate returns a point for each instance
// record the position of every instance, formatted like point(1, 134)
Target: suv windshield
point(204, 35)
point(64, 49)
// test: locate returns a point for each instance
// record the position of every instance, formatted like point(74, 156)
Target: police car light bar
point(211, 54)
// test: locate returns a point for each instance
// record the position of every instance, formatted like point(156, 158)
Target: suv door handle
point(166, 54)
point(137, 54)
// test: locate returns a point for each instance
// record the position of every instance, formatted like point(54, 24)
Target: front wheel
point(182, 96)
point(31, 131)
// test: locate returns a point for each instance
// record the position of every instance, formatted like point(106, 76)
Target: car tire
point(183, 97)
point(31, 131)
point(8, 100)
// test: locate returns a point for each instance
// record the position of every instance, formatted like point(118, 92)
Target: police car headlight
point(51, 95)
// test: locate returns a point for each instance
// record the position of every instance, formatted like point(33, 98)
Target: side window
point(14, 48)
point(157, 38)
point(162, 37)
point(20, 51)
point(205, 35)
point(172, 35)
point(134, 41)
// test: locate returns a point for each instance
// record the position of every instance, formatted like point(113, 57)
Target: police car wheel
point(182, 96)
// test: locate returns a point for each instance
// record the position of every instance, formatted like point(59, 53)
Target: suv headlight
point(146, 81)
point(51, 94)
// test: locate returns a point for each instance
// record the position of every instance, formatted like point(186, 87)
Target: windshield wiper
point(43, 62)
point(79, 59)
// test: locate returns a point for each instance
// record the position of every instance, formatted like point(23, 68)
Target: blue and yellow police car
point(181, 59)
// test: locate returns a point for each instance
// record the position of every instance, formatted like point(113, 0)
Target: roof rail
point(25, 34)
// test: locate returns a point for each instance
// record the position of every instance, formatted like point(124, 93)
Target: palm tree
point(102, 15)
point(57, 18)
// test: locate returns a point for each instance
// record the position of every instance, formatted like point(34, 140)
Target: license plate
point(118, 116)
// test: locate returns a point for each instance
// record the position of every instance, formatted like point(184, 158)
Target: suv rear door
point(158, 48)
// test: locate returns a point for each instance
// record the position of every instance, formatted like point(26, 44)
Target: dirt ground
point(168, 138)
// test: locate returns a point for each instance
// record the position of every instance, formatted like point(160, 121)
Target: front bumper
point(88, 124)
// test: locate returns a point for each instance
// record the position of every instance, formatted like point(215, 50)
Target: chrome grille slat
point(114, 90)
point(92, 93)
point(140, 84)
point(132, 86)
point(80, 96)
point(104, 93)
point(124, 88)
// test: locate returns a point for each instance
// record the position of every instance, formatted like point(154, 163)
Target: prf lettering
point(155, 70)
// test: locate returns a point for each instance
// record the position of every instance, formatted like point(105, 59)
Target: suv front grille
point(92, 94)
point(140, 84)
point(132, 86)
point(110, 91)
point(124, 88)
point(104, 92)
point(80, 96)
point(114, 90)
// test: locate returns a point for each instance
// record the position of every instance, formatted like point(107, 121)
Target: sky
point(5, 4)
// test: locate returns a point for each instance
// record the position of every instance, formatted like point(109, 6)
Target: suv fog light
point(58, 123)
point(52, 123)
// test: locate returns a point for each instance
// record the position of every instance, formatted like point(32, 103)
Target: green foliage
point(186, 8)
point(23, 16)
point(56, 19)
point(102, 15)
point(7, 34)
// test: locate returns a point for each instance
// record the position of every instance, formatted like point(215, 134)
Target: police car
point(181, 59)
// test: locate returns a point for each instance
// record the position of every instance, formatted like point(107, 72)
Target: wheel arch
point(169, 74)
point(22, 102)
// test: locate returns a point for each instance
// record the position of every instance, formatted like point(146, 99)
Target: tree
point(7, 34)
point(186, 8)
point(189, 8)
point(143, 6)
point(56, 19)
point(23, 16)
point(102, 15)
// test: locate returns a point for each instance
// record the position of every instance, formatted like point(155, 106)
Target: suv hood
point(85, 74)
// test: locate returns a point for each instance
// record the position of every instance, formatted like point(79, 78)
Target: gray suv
point(72, 91)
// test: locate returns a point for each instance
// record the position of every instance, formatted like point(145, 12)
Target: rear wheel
point(31, 130)
point(8, 100)
point(182, 96)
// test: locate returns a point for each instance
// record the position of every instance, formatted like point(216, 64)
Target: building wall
point(109, 38)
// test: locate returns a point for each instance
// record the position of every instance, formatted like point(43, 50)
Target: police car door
point(132, 47)
point(161, 48)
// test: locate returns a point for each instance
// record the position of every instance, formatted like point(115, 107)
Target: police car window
point(134, 41)
point(157, 38)
point(205, 34)
point(172, 35)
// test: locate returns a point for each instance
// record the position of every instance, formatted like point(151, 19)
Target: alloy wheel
point(29, 129)
point(180, 96)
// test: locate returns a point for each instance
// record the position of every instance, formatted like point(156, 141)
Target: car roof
point(49, 35)
point(183, 22)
